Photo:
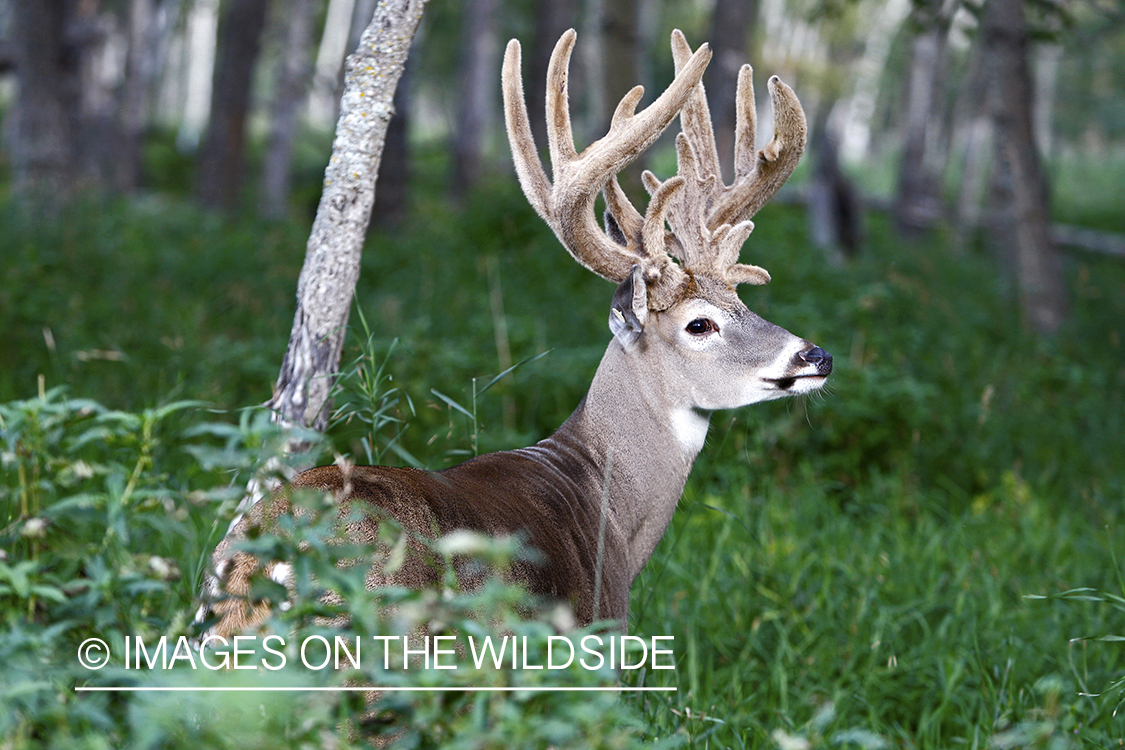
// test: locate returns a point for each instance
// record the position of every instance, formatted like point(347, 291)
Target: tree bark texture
point(1025, 236)
point(222, 160)
point(331, 269)
point(394, 168)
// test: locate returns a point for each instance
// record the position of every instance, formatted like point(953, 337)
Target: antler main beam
point(567, 204)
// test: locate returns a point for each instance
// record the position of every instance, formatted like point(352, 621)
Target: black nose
point(818, 357)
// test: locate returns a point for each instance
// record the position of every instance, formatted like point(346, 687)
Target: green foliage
point(107, 517)
point(103, 532)
point(137, 302)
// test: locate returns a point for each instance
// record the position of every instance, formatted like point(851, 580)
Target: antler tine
point(695, 117)
point(567, 204)
point(525, 156)
point(758, 178)
point(746, 122)
point(560, 135)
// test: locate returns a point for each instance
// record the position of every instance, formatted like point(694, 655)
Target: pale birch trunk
point(328, 278)
point(329, 53)
point(200, 42)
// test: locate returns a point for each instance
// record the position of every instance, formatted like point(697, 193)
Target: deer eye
point(701, 327)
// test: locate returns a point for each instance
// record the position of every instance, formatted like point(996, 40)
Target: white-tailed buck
point(683, 346)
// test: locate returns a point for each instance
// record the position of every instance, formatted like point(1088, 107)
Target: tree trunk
point(621, 55)
point(327, 282)
point(391, 201)
point(552, 18)
point(834, 210)
point(295, 72)
point(1026, 240)
point(200, 34)
point(858, 112)
point(476, 108)
point(918, 200)
point(339, 21)
point(732, 26)
point(45, 116)
point(136, 94)
point(394, 168)
point(222, 160)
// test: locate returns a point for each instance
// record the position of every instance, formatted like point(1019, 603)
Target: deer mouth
point(782, 384)
point(787, 383)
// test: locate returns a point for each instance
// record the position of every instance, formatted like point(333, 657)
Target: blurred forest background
point(936, 109)
point(944, 112)
point(928, 555)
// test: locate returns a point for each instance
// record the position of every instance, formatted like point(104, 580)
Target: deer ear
point(629, 312)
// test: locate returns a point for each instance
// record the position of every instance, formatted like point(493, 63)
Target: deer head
point(681, 278)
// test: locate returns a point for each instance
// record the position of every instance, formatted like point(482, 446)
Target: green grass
point(867, 566)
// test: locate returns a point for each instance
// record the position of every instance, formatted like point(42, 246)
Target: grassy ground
point(886, 564)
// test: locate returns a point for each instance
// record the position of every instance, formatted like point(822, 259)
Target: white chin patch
point(807, 384)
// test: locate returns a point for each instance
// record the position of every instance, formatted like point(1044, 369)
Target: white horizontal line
point(385, 689)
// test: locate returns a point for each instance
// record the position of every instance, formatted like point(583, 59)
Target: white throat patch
point(690, 428)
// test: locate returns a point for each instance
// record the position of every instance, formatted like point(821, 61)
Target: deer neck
point(635, 429)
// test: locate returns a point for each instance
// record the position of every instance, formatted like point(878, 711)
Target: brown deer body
point(596, 497)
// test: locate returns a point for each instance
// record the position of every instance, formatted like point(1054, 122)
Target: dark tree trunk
point(46, 113)
point(918, 202)
point(140, 74)
point(732, 26)
point(222, 158)
point(1023, 232)
point(391, 201)
point(477, 88)
point(294, 75)
point(621, 40)
point(552, 18)
point(835, 210)
point(621, 71)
